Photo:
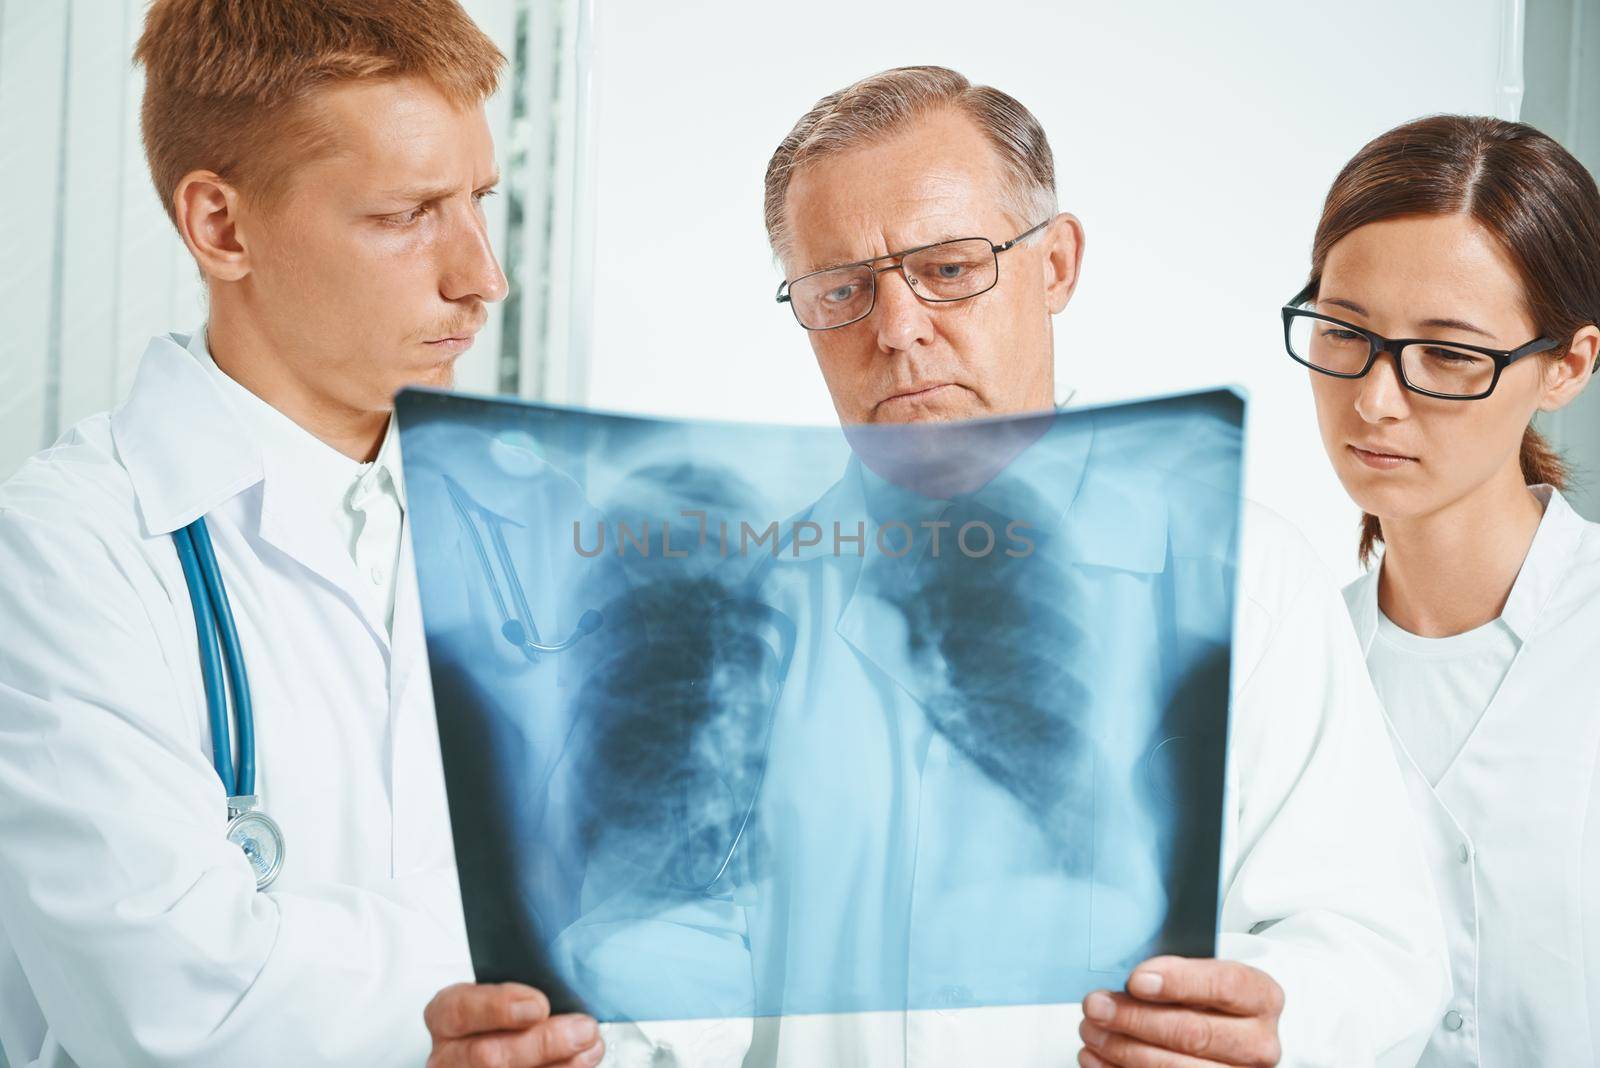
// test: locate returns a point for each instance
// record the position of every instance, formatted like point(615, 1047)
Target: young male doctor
point(323, 160)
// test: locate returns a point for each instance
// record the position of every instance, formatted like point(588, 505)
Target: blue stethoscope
point(252, 830)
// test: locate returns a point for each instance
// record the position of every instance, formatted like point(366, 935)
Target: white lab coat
point(1512, 829)
point(1323, 884)
point(131, 932)
point(131, 929)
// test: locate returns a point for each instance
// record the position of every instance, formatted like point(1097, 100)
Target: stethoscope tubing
point(219, 649)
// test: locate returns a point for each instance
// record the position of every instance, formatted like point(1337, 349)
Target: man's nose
point(470, 267)
point(1381, 396)
point(902, 319)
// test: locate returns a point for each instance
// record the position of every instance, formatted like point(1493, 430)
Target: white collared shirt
point(1508, 790)
point(364, 501)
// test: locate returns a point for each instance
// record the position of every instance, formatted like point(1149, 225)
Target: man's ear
point(1063, 259)
point(1566, 377)
point(207, 211)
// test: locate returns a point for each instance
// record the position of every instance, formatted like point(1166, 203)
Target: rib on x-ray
point(743, 721)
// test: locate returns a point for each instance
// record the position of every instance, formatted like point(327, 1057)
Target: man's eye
point(406, 218)
point(840, 294)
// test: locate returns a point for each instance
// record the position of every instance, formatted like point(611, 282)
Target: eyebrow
point(1458, 324)
point(422, 194)
point(1442, 324)
point(947, 235)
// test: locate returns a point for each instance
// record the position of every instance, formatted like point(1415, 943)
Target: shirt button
point(1452, 1020)
point(1464, 852)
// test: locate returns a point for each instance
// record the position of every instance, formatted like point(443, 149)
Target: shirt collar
point(1544, 570)
point(192, 438)
point(385, 468)
point(323, 473)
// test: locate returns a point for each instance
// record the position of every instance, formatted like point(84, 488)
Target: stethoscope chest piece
point(259, 836)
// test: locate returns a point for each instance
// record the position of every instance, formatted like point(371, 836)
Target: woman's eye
point(1433, 352)
point(1335, 334)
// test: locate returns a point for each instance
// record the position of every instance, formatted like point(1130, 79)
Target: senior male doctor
point(1331, 936)
point(323, 160)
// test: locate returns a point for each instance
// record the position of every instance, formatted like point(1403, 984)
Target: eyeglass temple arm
point(1537, 345)
point(1029, 232)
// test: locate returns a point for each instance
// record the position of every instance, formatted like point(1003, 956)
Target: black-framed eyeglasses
point(1446, 369)
point(944, 271)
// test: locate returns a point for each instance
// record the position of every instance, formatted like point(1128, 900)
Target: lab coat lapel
point(1361, 597)
point(172, 406)
point(1544, 570)
point(869, 624)
point(186, 455)
point(407, 649)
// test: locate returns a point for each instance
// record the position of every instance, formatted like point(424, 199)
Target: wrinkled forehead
point(401, 132)
point(935, 183)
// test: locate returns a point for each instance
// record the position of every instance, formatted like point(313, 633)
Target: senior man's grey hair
point(884, 104)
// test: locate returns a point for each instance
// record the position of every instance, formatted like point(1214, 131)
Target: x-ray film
point(745, 720)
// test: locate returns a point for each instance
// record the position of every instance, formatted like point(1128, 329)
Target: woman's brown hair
point(1517, 183)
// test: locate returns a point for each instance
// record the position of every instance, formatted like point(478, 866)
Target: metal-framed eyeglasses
point(944, 271)
point(1450, 370)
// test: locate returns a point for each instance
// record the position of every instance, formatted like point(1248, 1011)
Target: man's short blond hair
point(228, 82)
point(884, 104)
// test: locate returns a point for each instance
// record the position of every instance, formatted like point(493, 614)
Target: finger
point(1205, 1035)
point(1107, 1049)
point(1224, 985)
point(472, 1008)
point(587, 1059)
point(544, 1045)
point(482, 1051)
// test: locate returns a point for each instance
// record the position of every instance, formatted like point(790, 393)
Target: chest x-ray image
point(748, 720)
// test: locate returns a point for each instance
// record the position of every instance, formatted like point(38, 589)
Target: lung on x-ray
point(748, 720)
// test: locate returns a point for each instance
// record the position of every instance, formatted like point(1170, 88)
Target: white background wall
point(1195, 141)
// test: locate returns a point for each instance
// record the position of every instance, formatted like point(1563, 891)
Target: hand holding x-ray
point(1185, 1013)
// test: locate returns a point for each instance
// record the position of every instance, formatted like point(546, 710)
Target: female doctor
point(1454, 292)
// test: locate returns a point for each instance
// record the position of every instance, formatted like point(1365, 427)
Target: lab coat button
point(377, 576)
point(1464, 852)
point(1452, 1019)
